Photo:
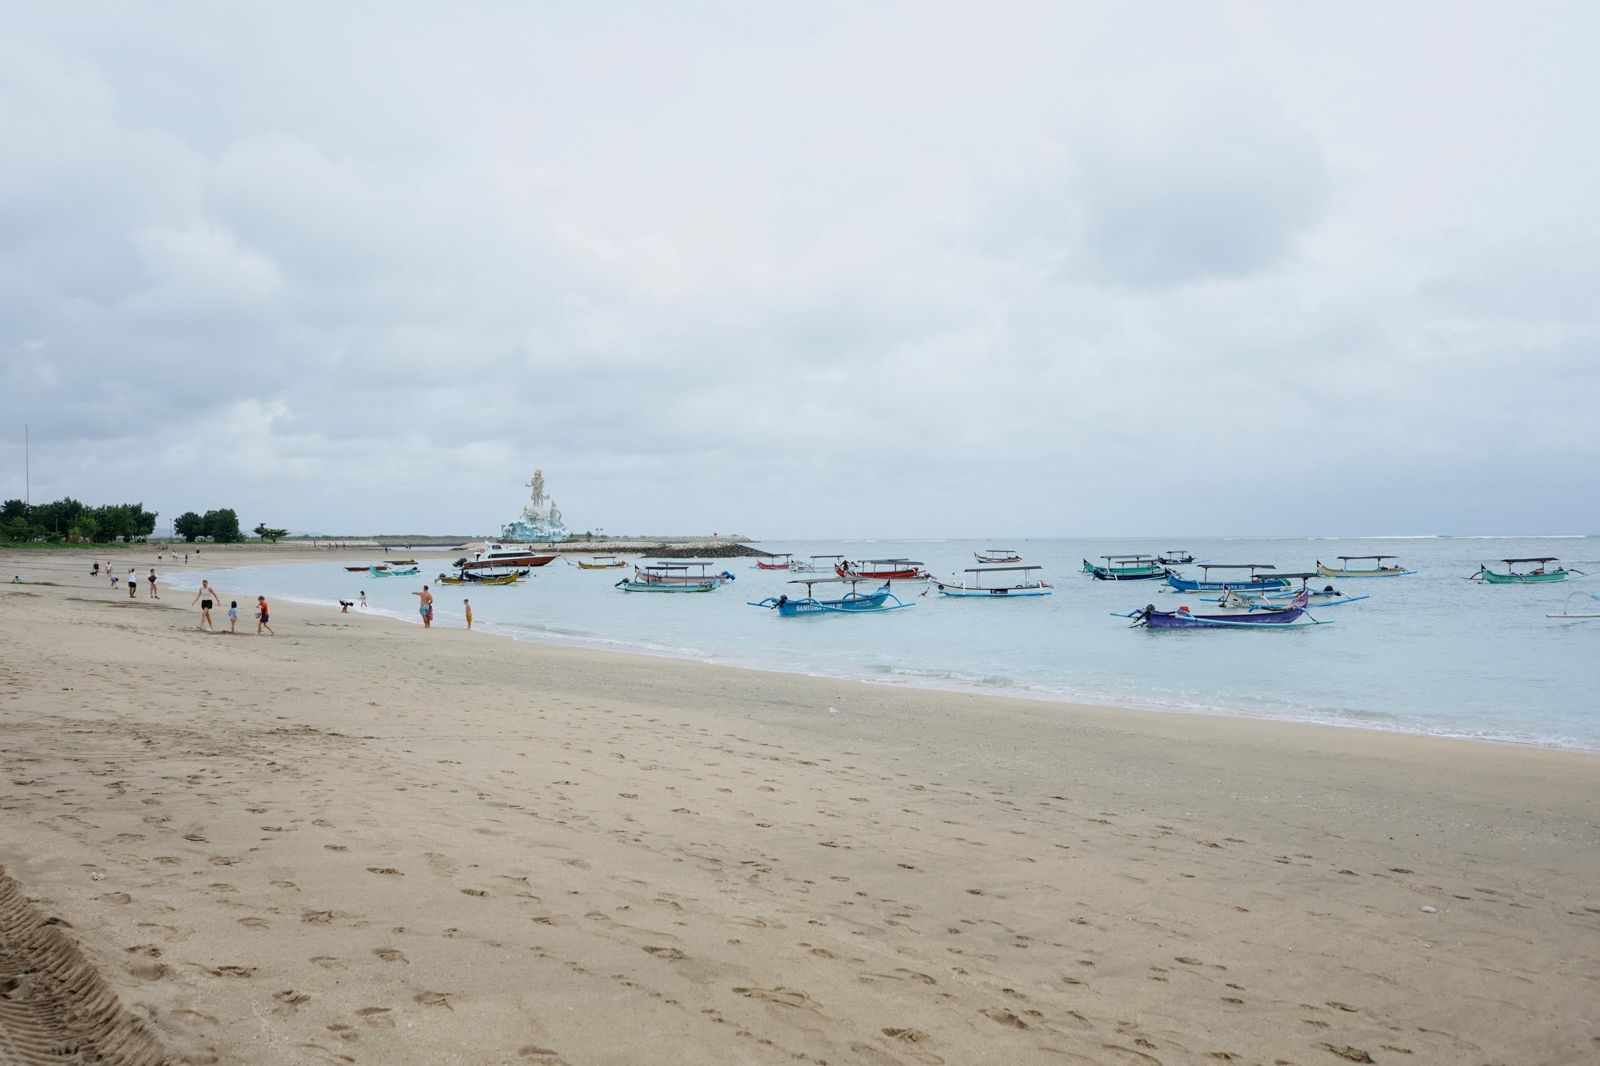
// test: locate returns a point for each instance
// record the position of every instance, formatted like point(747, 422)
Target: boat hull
point(772, 566)
point(375, 572)
point(912, 574)
point(1289, 617)
point(1494, 578)
point(486, 563)
point(602, 566)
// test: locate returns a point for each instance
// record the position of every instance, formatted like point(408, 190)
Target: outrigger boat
point(1175, 557)
point(1376, 570)
point(1029, 585)
point(364, 567)
point(475, 579)
point(400, 562)
point(780, 561)
point(1537, 575)
point(678, 574)
point(384, 572)
point(1292, 616)
point(1126, 568)
point(664, 577)
point(998, 555)
point(1567, 611)
point(814, 564)
point(881, 570)
point(1255, 582)
point(603, 562)
point(1327, 596)
point(852, 602)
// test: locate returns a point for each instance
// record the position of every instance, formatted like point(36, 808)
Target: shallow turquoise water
point(1427, 654)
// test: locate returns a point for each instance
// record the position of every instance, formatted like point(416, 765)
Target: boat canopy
point(1304, 575)
point(1238, 566)
point(677, 566)
point(1358, 558)
point(827, 557)
point(1123, 558)
point(1543, 559)
point(997, 569)
point(907, 562)
point(781, 555)
point(998, 551)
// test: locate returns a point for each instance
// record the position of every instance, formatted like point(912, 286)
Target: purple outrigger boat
point(1292, 615)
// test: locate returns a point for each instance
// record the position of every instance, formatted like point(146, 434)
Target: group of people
point(208, 597)
point(132, 579)
point(425, 607)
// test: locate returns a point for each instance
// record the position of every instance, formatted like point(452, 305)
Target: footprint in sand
point(1004, 1017)
point(378, 1017)
point(435, 999)
point(387, 871)
point(780, 996)
point(391, 955)
point(670, 954)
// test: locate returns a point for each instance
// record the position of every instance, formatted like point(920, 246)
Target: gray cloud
point(937, 270)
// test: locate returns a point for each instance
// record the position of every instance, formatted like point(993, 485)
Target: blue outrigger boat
point(375, 572)
point(1327, 596)
point(852, 602)
point(1254, 582)
point(673, 577)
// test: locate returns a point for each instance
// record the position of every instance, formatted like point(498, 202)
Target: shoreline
point(930, 683)
point(356, 840)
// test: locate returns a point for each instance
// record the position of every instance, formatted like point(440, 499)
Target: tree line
point(69, 519)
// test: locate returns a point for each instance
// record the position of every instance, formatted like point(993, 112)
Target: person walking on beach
point(263, 616)
point(363, 597)
point(206, 596)
point(133, 582)
point(468, 605)
point(153, 595)
point(425, 608)
point(233, 616)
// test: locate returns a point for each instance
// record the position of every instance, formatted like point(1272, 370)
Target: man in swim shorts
point(425, 608)
point(263, 616)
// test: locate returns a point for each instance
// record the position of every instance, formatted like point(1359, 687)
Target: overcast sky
point(807, 269)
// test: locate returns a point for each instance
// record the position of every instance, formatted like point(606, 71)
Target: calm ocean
point(1426, 654)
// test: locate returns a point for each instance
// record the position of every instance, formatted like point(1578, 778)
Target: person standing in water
point(468, 605)
point(206, 597)
point(425, 608)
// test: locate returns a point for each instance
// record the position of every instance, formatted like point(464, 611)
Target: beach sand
point(362, 842)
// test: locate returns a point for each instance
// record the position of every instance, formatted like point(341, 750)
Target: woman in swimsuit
point(206, 596)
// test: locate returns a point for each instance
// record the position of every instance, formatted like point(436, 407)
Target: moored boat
point(671, 577)
point(1027, 583)
point(498, 555)
point(1377, 569)
point(476, 579)
point(1175, 557)
point(1541, 573)
point(1126, 568)
point(852, 602)
point(1292, 615)
point(690, 572)
point(881, 570)
point(815, 564)
point(776, 561)
point(998, 555)
point(1253, 582)
point(1327, 596)
point(602, 562)
point(378, 571)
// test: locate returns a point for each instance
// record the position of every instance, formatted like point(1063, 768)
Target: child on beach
point(153, 595)
point(363, 597)
point(262, 617)
point(468, 605)
point(133, 582)
point(233, 616)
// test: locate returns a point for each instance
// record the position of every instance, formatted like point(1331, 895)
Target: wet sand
point(363, 842)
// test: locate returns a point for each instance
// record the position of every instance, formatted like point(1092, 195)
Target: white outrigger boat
point(1327, 596)
point(1029, 584)
point(1377, 569)
point(815, 564)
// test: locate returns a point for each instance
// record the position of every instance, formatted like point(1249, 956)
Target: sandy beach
point(360, 842)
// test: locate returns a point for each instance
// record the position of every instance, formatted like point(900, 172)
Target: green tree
point(85, 527)
point(189, 525)
point(222, 526)
point(270, 535)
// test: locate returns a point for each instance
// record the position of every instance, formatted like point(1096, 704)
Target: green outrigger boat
point(1541, 573)
point(1126, 568)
